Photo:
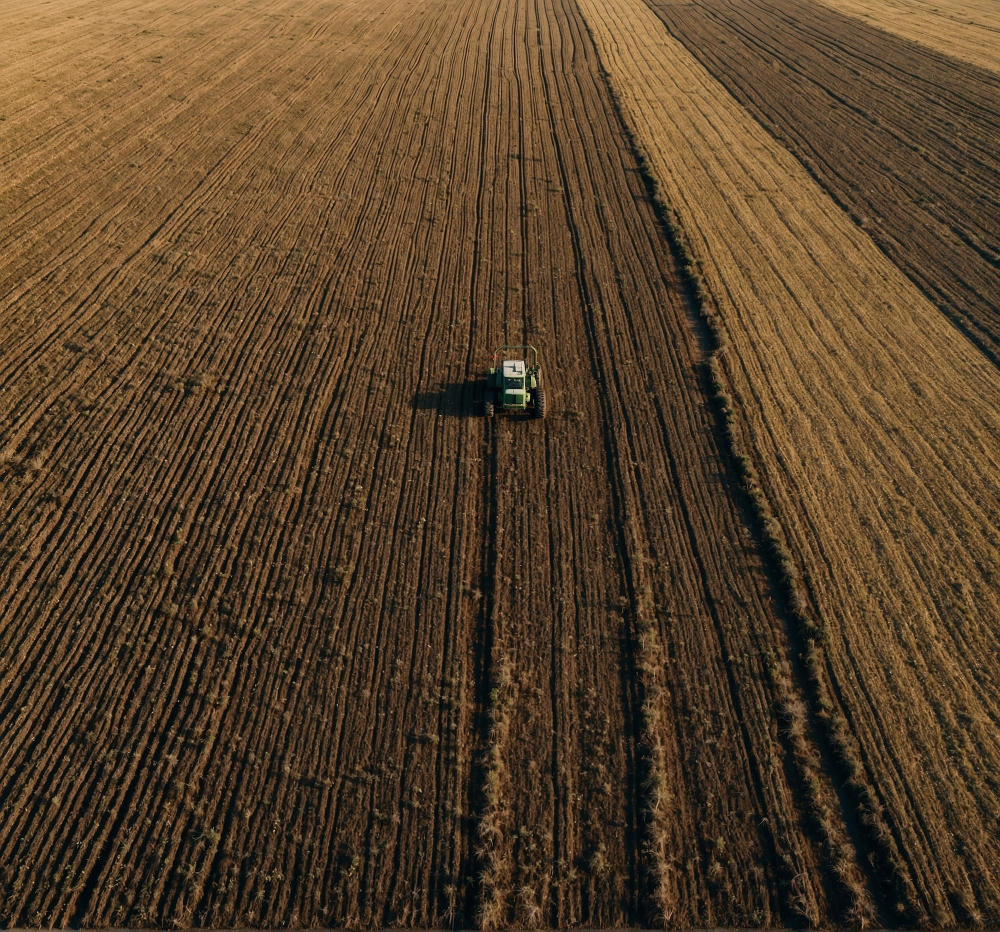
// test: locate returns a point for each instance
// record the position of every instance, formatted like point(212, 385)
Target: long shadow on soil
point(453, 399)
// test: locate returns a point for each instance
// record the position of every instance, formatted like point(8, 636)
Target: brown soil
point(292, 635)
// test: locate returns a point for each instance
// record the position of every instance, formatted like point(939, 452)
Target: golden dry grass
point(874, 428)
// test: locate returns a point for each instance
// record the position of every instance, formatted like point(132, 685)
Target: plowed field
point(291, 635)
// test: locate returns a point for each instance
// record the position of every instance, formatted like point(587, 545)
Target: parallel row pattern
point(240, 553)
point(625, 486)
point(875, 428)
point(263, 566)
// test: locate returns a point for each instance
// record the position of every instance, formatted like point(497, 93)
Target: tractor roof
point(513, 368)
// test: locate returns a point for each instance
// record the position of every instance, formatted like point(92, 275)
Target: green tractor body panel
point(514, 384)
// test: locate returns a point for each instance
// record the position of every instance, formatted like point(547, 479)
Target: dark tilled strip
point(900, 136)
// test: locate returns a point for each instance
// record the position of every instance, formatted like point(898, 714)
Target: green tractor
point(513, 385)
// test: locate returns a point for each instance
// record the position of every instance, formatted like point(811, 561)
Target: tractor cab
point(514, 384)
point(512, 374)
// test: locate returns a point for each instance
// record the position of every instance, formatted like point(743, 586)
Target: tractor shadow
point(453, 399)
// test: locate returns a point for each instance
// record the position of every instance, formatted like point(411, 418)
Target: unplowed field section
point(903, 139)
point(290, 634)
point(874, 426)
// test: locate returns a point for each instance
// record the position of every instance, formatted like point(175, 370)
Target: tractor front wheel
point(539, 402)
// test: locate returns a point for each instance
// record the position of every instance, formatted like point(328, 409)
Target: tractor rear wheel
point(539, 402)
point(488, 408)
